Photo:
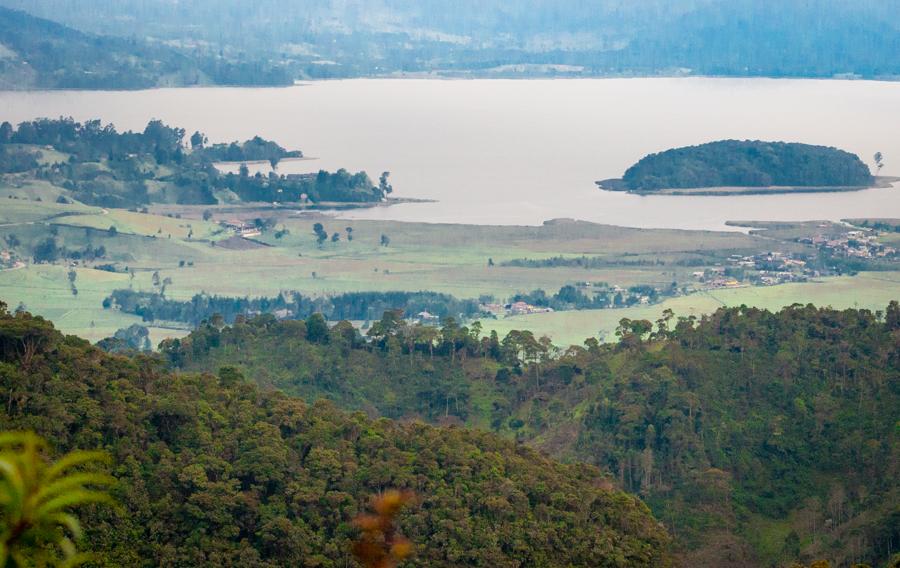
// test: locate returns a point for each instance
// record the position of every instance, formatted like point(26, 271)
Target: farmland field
point(866, 290)
point(467, 261)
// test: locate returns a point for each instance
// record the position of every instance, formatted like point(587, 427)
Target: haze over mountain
point(818, 38)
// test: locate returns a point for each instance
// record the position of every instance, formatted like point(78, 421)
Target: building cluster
point(853, 244)
point(241, 228)
point(8, 259)
point(765, 269)
point(513, 309)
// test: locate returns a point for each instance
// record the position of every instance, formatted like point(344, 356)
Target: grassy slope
point(872, 290)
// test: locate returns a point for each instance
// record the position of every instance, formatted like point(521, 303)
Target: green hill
point(745, 164)
point(214, 471)
point(764, 437)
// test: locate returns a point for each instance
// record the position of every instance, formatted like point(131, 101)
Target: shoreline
point(444, 75)
point(880, 182)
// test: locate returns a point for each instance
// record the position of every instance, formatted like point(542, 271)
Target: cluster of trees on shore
point(744, 418)
point(747, 163)
point(253, 150)
point(211, 470)
point(129, 169)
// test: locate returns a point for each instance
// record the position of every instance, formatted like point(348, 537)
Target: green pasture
point(44, 290)
point(445, 258)
point(869, 290)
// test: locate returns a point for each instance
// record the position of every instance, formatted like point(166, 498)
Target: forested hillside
point(39, 53)
point(758, 438)
point(213, 471)
point(305, 38)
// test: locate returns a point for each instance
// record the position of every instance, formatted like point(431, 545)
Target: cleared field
point(869, 290)
point(145, 224)
point(22, 211)
point(452, 259)
point(44, 290)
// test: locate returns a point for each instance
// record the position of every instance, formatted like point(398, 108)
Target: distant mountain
point(39, 53)
point(813, 38)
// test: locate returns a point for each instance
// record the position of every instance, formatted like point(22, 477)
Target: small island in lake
point(729, 167)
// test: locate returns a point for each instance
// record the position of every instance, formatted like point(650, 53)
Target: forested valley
point(212, 470)
point(757, 438)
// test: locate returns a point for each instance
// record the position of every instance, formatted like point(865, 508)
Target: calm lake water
point(521, 152)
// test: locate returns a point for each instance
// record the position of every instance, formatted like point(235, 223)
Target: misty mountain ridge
point(818, 38)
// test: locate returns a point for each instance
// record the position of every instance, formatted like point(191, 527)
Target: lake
point(524, 151)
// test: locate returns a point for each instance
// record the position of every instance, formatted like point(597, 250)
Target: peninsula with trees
point(729, 167)
point(94, 164)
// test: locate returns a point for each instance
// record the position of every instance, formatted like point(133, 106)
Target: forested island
point(745, 166)
point(95, 164)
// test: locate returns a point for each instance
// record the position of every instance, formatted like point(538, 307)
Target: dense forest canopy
point(277, 41)
point(748, 163)
point(741, 422)
point(214, 471)
point(105, 167)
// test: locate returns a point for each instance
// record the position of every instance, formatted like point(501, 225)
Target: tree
point(320, 233)
point(349, 233)
point(335, 237)
point(46, 251)
point(385, 240)
point(384, 185)
point(317, 328)
point(72, 275)
point(879, 162)
point(207, 215)
point(112, 231)
point(37, 498)
point(379, 545)
point(197, 140)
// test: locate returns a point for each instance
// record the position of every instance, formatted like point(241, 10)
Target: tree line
point(359, 306)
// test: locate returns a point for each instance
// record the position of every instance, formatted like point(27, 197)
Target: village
point(9, 261)
point(765, 269)
point(862, 244)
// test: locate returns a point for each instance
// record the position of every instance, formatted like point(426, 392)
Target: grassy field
point(444, 258)
point(145, 224)
point(870, 290)
point(44, 290)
